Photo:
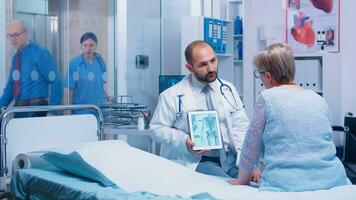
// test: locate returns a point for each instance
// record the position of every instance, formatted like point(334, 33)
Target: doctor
point(170, 124)
point(34, 79)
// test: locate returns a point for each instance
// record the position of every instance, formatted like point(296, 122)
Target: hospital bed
point(129, 173)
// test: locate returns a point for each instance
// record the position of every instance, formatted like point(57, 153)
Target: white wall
point(121, 45)
point(2, 47)
point(143, 29)
point(348, 55)
point(269, 14)
point(111, 33)
point(172, 12)
point(32, 6)
point(338, 70)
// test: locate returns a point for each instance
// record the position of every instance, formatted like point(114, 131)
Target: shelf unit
point(234, 10)
point(308, 73)
point(192, 28)
point(238, 39)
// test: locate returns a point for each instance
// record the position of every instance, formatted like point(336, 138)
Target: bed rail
point(6, 117)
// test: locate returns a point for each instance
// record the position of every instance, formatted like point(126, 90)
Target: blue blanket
point(52, 183)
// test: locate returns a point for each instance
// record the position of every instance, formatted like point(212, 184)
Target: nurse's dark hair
point(189, 50)
point(88, 35)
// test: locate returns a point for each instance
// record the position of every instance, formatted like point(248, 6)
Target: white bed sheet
point(135, 170)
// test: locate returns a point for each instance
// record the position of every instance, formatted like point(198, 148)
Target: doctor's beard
point(208, 78)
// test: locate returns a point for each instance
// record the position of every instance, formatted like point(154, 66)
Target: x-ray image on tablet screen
point(204, 130)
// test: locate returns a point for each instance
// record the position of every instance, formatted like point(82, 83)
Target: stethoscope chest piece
point(179, 114)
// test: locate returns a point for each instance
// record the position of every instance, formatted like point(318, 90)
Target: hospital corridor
point(177, 99)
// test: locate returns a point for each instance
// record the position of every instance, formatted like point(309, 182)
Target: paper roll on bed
point(29, 160)
point(34, 160)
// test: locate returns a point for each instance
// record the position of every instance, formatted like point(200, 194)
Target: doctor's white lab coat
point(172, 133)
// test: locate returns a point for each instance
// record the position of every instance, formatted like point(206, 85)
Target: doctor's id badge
point(205, 130)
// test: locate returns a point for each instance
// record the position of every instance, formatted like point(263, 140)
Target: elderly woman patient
point(291, 129)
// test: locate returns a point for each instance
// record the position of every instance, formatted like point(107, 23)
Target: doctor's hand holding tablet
point(190, 146)
point(204, 131)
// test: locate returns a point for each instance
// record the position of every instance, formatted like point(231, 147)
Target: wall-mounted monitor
point(166, 81)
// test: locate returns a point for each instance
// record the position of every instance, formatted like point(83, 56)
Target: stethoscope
point(223, 86)
point(179, 114)
point(95, 56)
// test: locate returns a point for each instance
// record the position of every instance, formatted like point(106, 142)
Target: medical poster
point(204, 130)
point(313, 25)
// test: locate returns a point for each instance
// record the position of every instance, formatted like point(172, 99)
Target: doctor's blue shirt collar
point(198, 86)
point(27, 45)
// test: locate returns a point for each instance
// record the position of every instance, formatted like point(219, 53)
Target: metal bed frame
point(6, 117)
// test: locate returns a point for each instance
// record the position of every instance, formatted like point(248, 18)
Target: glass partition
point(143, 51)
point(77, 38)
point(33, 53)
point(88, 66)
point(172, 13)
point(154, 44)
point(89, 51)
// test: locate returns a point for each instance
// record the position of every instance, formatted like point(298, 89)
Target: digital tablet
point(205, 130)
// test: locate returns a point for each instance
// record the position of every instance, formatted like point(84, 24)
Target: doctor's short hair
point(278, 60)
point(88, 35)
point(189, 50)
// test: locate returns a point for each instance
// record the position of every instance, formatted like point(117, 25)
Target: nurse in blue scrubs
point(86, 75)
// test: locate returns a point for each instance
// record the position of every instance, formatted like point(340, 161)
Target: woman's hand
point(245, 177)
point(256, 176)
point(235, 181)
